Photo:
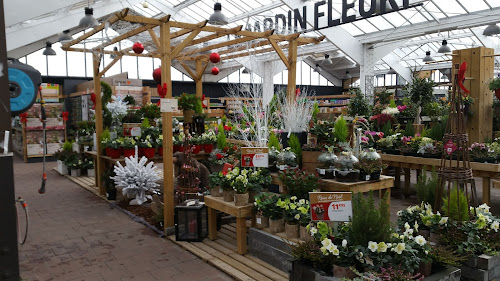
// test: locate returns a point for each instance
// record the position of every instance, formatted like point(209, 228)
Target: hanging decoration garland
point(138, 48)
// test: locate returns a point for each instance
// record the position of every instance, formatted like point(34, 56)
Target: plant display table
point(384, 185)
point(485, 171)
point(240, 212)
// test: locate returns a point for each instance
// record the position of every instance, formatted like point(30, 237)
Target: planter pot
point(375, 176)
point(208, 148)
point(435, 238)
point(391, 151)
point(140, 151)
point(425, 268)
point(196, 148)
point(217, 191)
point(91, 172)
point(111, 194)
point(62, 168)
point(128, 152)
point(149, 152)
point(261, 222)
point(229, 195)
point(276, 226)
point(292, 230)
point(326, 173)
point(241, 199)
point(363, 176)
point(413, 154)
point(113, 152)
point(251, 196)
point(343, 272)
point(76, 172)
point(485, 160)
point(302, 136)
point(303, 234)
point(188, 116)
point(347, 176)
point(160, 151)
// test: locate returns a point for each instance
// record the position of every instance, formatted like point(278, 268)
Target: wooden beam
point(96, 29)
point(168, 168)
point(115, 60)
point(216, 35)
point(98, 122)
point(154, 38)
point(244, 54)
point(280, 53)
point(141, 19)
point(199, 82)
point(200, 69)
point(256, 44)
point(184, 43)
point(148, 55)
point(292, 70)
point(188, 69)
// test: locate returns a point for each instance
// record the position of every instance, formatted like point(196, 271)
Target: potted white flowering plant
point(208, 140)
point(240, 185)
point(292, 215)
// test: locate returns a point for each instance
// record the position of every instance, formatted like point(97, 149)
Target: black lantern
point(191, 221)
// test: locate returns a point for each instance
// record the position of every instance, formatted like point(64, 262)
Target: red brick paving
point(76, 236)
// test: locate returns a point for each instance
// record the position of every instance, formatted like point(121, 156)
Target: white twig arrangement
point(296, 113)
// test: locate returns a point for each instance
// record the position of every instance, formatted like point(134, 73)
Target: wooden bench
point(240, 212)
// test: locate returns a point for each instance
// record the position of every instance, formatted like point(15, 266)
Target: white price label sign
point(169, 105)
point(135, 132)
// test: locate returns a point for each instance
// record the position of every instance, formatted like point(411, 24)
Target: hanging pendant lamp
point(327, 60)
point(217, 18)
point(428, 57)
point(65, 36)
point(48, 50)
point(391, 71)
point(113, 56)
point(347, 75)
point(246, 71)
point(491, 30)
point(88, 21)
point(444, 48)
point(317, 68)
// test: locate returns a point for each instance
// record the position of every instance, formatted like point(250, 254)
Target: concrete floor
point(74, 235)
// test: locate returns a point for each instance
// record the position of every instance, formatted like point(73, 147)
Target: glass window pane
point(115, 69)
point(145, 68)
point(129, 64)
point(76, 64)
point(306, 74)
point(314, 78)
point(57, 64)
point(38, 61)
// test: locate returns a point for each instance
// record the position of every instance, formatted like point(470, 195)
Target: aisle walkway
point(74, 235)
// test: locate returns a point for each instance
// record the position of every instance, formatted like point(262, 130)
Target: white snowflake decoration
point(117, 107)
point(136, 178)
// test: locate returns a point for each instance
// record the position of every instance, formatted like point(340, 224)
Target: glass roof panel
point(352, 29)
point(413, 15)
point(365, 26)
point(493, 3)
point(473, 6)
point(395, 18)
point(451, 7)
point(380, 23)
point(431, 8)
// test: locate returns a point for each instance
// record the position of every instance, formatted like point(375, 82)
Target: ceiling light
point(65, 36)
point(48, 50)
point(217, 18)
point(327, 60)
point(246, 71)
point(145, 5)
point(444, 48)
point(347, 75)
point(391, 71)
point(88, 20)
point(491, 30)
point(317, 68)
point(113, 56)
point(428, 57)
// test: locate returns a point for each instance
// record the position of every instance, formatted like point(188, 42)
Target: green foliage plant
point(436, 132)
point(105, 136)
point(151, 111)
point(68, 146)
point(315, 111)
point(273, 141)
point(294, 144)
point(426, 187)
point(386, 128)
point(129, 99)
point(221, 137)
point(494, 84)
point(456, 206)
point(409, 130)
point(369, 223)
point(340, 129)
point(358, 105)
point(298, 182)
point(190, 102)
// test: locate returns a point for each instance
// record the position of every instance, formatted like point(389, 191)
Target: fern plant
point(221, 137)
point(458, 205)
point(340, 130)
point(294, 144)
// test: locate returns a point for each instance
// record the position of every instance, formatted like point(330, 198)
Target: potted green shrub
point(421, 92)
point(190, 105)
point(494, 85)
point(216, 180)
point(88, 164)
point(358, 105)
point(129, 147)
point(74, 164)
point(61, 156)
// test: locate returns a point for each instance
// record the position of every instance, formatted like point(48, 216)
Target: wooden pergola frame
point(166, 52)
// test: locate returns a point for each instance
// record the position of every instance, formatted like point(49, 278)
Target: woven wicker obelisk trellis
point(455, 169)
point(188, 181)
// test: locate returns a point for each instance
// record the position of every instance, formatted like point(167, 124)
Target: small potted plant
point(327, 161)
point(61, 156)
point(292, 215)
point(190, 105)
point(208, 140)
point(88, 164)
point(346, 167)
point(370, 165)
point(262, 204)
point(74, 164)
point(479, 152)
point(305, 219)
point(276, 215)
point(195, 142)
point(299, 182)
point(159, 145)
point(146, 146)
point(216, 180)
point(286, 160)
point(240, 186)
point(150, 111)
point(228, 193)
point(113, 147)
point(273, 159)
point(494, 85)
point(178, 142)
point(129, 147)
point(390, 144)
point(261, 180)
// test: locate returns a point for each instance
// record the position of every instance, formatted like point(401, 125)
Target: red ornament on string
point(138, 48)
point(214, 57)
point(157, 75)
point(215, 70)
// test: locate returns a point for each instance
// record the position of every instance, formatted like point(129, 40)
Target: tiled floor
point(74, 235)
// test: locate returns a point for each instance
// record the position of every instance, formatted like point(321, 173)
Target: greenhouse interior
point(301, 140)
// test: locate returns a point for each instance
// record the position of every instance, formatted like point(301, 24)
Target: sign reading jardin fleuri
point(322, 15)
point(331, 206)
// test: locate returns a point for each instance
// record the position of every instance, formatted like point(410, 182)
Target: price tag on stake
point(169, 105)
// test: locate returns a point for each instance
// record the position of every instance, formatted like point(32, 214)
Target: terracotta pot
point(292, 230)
point(425, 268)
point(261, 221)
point(129, 152)
point(196, 148)
point(241, 199)
point(217, 191)
point(188, 116)
point(113, 152)
point(304, 235)
point(149, 152)
point(160, 151)
point(208, 148)
point(276, 226)
point(341, 271)
point(228, 195)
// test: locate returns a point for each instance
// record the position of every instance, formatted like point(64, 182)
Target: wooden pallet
point(222, 254)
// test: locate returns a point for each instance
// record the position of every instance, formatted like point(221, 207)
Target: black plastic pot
point(302, 136)
point(391, 151)
point(363, 176)
point(375, 176)
point(111, 194)
point(326, 173)
point(350, 176)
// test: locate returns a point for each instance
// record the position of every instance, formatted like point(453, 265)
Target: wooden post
point(480, 66)
point(98, 123)
point(198, 78)
point(168, 165)
point(292, 70)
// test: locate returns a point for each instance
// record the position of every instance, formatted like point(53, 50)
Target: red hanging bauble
point(138, 48)
point(215, 70)
point(214, 57)
point(157, 75)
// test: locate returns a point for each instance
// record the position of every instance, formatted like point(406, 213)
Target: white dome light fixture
point(444, 48)
point(217, 18)
point(347, 75)
point(327, 60)
point(48, 50)
point(491, 30)
point(88, 21)
point(317, 68)
point(428, 57)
